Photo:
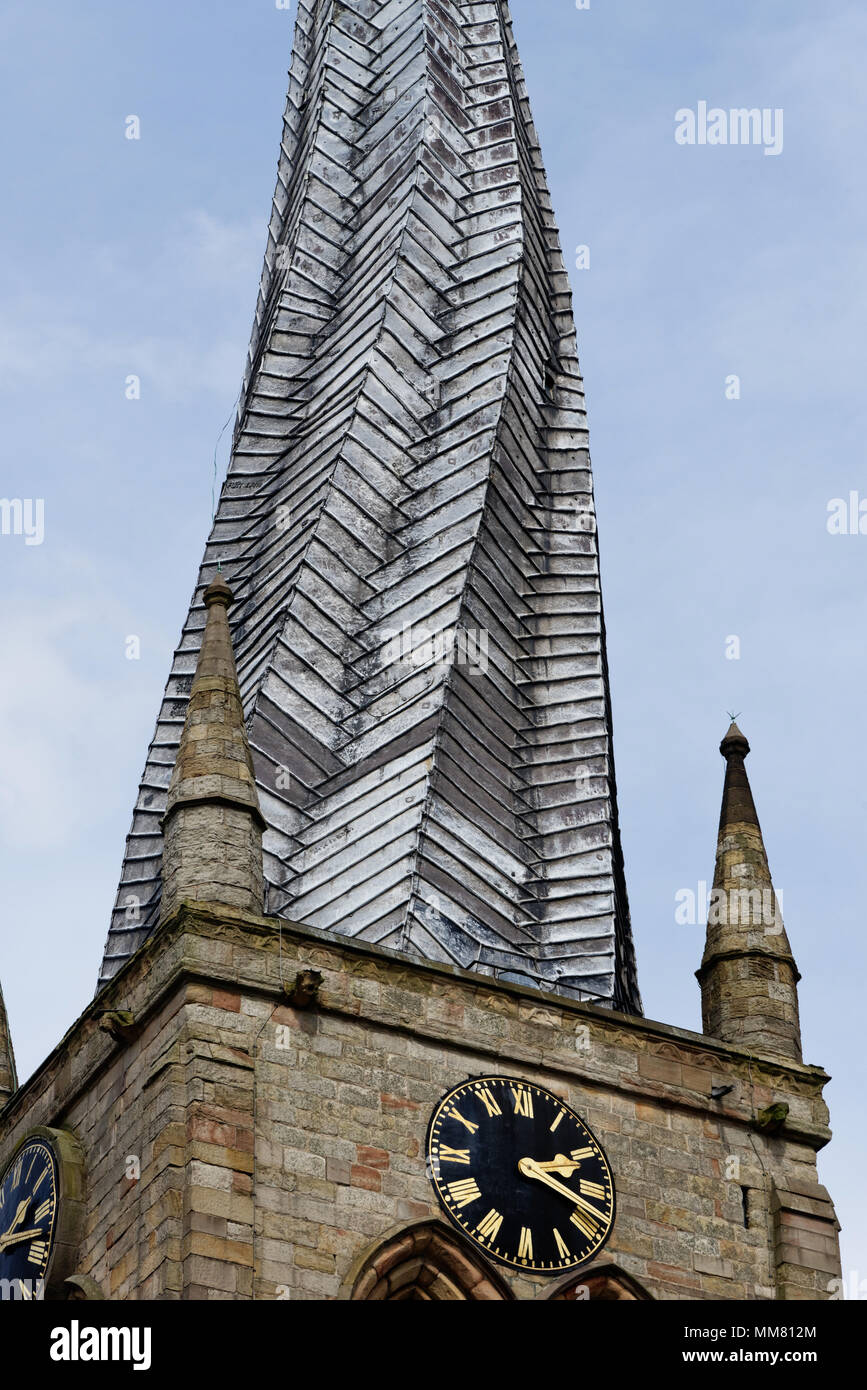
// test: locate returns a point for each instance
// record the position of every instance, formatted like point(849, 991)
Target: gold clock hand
point(560, 1164)
point(13, 1238)
point(531, 1169)
point(19, 1216)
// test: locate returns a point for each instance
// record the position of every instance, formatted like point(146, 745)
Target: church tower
point(368, 1024)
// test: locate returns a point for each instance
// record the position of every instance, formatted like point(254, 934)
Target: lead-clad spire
point(748, 975)
point(409, 520)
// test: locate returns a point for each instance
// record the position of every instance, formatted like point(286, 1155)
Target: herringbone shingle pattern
point(408, 526)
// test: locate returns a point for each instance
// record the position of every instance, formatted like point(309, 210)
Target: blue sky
point(123, 257)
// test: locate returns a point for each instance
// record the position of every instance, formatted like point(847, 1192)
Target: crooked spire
point(409, 521)
point(748, 975)
point(213, 826)
point(8, 1075)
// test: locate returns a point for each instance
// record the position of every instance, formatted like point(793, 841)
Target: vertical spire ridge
point(748, 975)
point(213, 825)
point(8, 1076)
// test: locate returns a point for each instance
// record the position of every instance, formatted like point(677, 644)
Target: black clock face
point(521, 1174)
point(28, 1214)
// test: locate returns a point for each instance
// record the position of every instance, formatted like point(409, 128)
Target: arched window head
point(424, 1262)
point(599, 1283)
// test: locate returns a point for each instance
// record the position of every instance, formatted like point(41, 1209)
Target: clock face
point(521, 1174)
point(28, 1219)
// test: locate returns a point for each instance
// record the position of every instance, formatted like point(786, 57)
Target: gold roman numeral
point(557, 1121)
point(17, 1171)
point(491, 1224)
point(37, 1252)
point(586, 1225)
point(447, 1155)
point(464, 1192)
point(525, 1248)
point(523, 1101)
point(488, 1101)
point(565, 1252)
point(43, 1211)
point(39, 1181)
point(578, 1154)
point(455, 1114)
point(592, 1189)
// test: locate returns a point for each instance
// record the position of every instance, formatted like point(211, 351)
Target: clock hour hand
point(560, 1164)
point(531, 1169)
point(14, 1237)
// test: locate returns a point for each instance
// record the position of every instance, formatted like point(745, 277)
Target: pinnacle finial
point(734, 741)
point(218, 591)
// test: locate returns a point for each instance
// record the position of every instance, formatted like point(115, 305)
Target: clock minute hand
point(13, 1237)
point(531, 1169)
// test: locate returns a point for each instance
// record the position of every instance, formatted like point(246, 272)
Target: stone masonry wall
point(240, 1147)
